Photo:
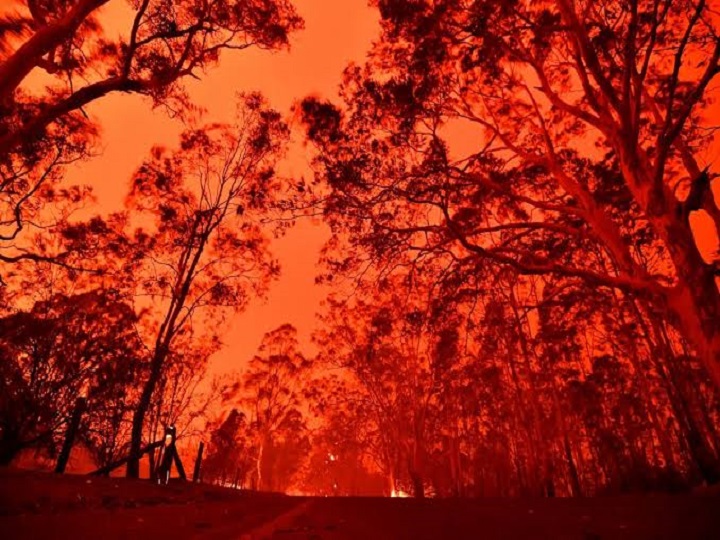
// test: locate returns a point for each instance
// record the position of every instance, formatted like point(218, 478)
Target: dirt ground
point(39, 506)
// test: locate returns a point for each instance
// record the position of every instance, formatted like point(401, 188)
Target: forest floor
point(40, 505)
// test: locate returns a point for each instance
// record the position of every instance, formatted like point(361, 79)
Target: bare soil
point(41, 505)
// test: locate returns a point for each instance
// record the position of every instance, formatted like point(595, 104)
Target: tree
point(271, 394)
point(63, 348)
point(68, 45)
point(229, 457)
point(399, 351)
point(545, 386)
point(163, 44)
point(27, 187)
point(185, 396)
point(340, 461)
point(589, 121)
point(206, 253)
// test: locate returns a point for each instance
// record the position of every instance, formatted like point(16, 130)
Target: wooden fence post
point(178, 463)
point(198, 463)
point(73, 426)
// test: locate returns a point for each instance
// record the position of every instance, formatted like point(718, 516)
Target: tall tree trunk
point(545, 461)
point(695, 301)
point(645, 388)
point(696, 306)
point(664, 360)
point(575, 486)
point(258, 462)
point(415, 468)
point(702, 453)
point(418, 485)
point(138, 423)
point(453, 453)
point(188, 262)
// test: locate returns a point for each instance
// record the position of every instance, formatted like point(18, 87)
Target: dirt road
point(45, 506)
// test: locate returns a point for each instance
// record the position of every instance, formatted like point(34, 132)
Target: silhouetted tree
point(230, 453)
point(206, 254)
point(63, 348)
point(272, 391)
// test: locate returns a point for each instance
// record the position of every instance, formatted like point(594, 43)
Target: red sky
point(336, 32)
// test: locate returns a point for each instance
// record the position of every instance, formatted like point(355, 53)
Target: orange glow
point(499, 291)
point(336, 33)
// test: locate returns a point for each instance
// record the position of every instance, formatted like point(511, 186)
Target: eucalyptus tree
point(201, 248)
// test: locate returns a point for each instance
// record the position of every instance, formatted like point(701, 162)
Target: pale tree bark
point(259, 462)
point(694, 301)
point(49, 36)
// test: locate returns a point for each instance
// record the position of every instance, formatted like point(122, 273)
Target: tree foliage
point(58, 57)
point(267, 424)
point(60, 349)
point(588, 119)
point(206, 253)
